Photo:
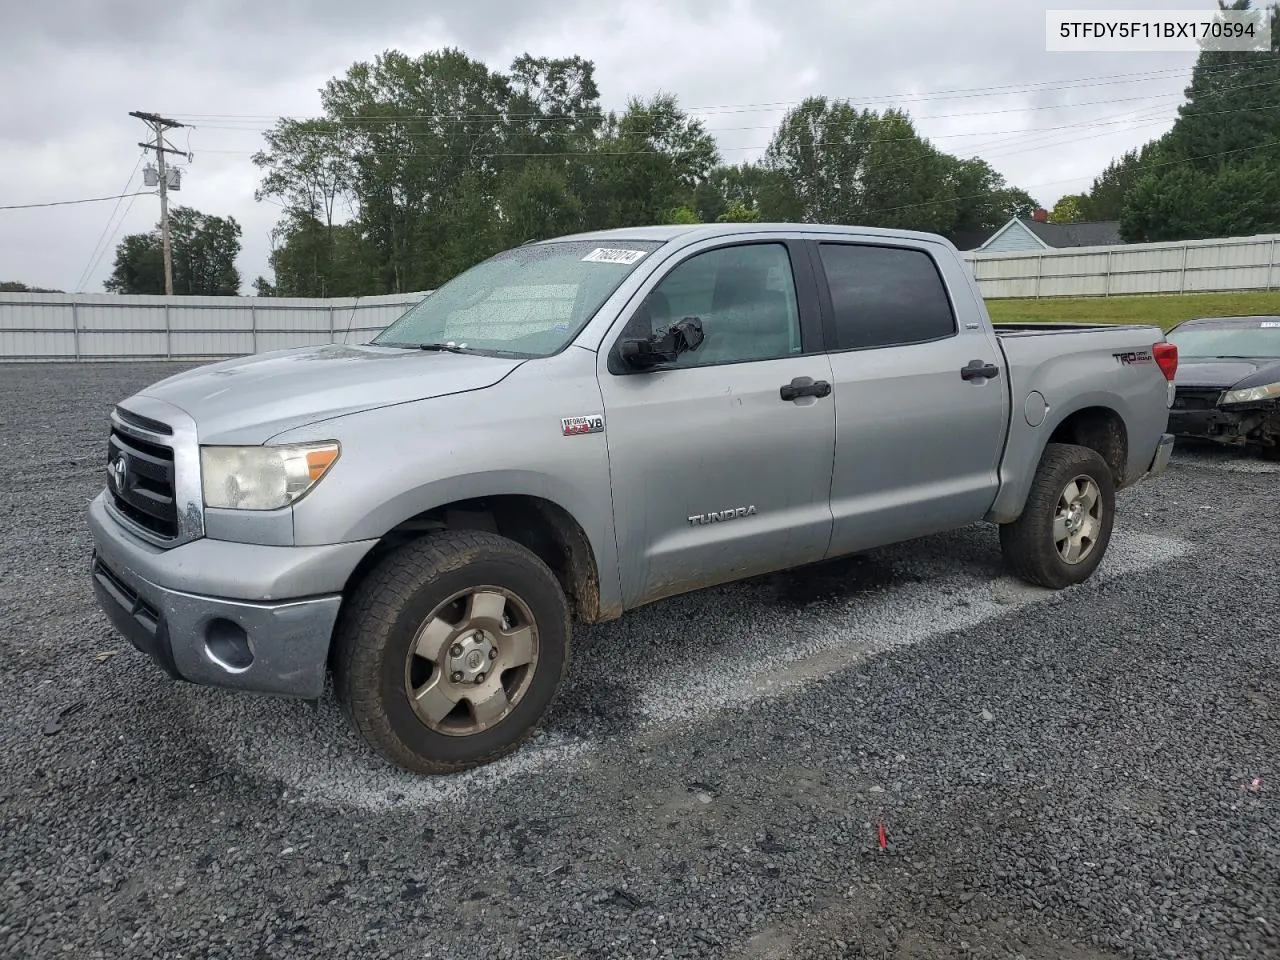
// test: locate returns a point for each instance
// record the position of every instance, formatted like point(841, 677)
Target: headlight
point(263, 478)
point(1269, 391)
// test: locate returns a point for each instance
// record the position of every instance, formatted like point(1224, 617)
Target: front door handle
point(804, 387)
point(979, 370)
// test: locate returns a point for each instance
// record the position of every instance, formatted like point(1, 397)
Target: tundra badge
point(719, 516)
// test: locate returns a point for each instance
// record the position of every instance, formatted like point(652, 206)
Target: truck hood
point(1225, 372)
point(251, 399)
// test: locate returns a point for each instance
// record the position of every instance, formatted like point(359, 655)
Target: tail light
point(1166, 355)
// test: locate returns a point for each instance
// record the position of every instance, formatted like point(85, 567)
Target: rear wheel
point(451, 650)
point(1065, 526)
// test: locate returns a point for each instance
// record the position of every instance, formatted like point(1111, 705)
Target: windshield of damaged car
point(1253, 339)
point(527, 302)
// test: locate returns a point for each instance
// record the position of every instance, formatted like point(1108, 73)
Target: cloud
point(973, 73)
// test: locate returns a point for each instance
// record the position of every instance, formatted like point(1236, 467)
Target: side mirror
point(663, 346)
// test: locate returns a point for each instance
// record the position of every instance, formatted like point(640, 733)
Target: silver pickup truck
point(577, 427)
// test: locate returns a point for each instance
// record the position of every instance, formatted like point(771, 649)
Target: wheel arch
point(540, 524)
point(1094, 421)
point(1101, 429)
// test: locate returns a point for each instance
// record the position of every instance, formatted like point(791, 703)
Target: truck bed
point(1051, 369)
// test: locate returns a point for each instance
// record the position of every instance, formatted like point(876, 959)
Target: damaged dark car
point(1227, 388)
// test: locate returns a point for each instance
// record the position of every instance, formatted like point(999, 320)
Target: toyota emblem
point(117, 471)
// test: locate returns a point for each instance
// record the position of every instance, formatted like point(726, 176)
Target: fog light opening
point(228, 645)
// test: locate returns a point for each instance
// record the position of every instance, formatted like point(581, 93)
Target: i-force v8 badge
point(572, 426)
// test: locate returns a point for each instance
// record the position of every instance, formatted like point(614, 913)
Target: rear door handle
point(979, 370)
point(804, 387)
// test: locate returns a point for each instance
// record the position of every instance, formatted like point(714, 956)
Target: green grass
point(1162, 311)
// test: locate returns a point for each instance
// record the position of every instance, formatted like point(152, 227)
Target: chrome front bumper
point(220, 613)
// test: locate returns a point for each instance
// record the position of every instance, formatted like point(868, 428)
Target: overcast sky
point(73, 69)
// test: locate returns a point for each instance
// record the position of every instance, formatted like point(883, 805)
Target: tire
point(1031, 545)
point(508, 607)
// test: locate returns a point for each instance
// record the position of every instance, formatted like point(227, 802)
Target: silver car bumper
point(244, 616)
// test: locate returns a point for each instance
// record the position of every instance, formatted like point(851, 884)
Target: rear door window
point(885, 296)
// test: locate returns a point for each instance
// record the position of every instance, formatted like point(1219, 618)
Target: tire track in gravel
point(667, 667)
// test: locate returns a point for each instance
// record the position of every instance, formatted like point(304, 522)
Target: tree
point(420, 133)
point(747, 186)
point(1107, 195)
point(312, 259)
point(648, 161)
point(538, 203)
point(1232, 106)
point(831, 163)
point(308, 168)
point(738, 212)
point(435, 162)
point(204, 251)
point(681, 215)
point(1068, 209)
point(1183, 203)
point(13, 286)
point(984, 202)
point(139, 266)
point(1226, 137)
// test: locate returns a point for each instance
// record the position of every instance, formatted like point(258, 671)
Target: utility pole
point(158, 126)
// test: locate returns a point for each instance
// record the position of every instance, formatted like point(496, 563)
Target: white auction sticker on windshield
point(613, 255)
point(1270, 323)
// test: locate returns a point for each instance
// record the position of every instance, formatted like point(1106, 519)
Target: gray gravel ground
point(1089, 774)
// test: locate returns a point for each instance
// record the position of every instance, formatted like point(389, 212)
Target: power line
point(65, 203)
point(107, 246)
point(961, 93)
point(594, 152)
point(345, 132)
point(91, 264)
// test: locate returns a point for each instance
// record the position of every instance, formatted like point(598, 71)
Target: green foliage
point(984, 202)
point(748, 186)
point(737, 212)
point(1068, 209)
point(422, 166)
point(1212, 174)
point(1182, 203)
point(203, 249)
point(13, 286)
point(835, 164)
point(681, 214)
point(314, 259)
point(1106, 197)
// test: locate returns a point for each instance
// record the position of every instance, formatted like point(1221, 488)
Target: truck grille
point(1196, 398)
point(140, 481)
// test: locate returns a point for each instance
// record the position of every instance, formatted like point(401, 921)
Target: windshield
point(1253, 338)
point(530, 301)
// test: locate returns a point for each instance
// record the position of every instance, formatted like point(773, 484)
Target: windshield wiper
point(444, 347)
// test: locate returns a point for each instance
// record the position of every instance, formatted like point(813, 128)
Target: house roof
point(1091, 233)
point(969, 239)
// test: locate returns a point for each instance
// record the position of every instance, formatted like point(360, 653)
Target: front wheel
point(451, 650)
point(1065, 526)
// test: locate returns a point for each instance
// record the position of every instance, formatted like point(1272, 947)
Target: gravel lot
point(1089, 774)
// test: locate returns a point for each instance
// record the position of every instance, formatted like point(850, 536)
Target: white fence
point(48, 326)
point(1187, 266)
